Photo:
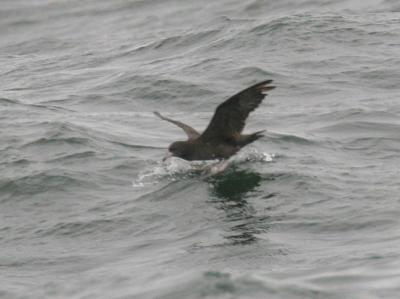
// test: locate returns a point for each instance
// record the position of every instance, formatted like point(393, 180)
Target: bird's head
point(180, 149)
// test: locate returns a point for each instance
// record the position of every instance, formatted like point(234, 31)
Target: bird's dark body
point(223, 137)
point(198, 150)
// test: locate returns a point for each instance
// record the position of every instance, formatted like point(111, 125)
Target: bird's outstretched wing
point(190, 132)
point(230, 117)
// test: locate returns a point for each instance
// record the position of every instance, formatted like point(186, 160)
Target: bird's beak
point(168, 155)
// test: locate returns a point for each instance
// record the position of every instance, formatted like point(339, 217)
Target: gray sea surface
point(89, 210)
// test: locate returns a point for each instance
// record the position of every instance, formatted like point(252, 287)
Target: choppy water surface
point(88, 210)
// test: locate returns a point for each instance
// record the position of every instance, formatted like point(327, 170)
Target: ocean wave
point(288, 139)
point(41, 183)
point(361, 129)
point(219, 284)
point(8, 102)
point(58, 141)
point(187, 40)
point(16, 104)
point(80, 228)
point(167, 89)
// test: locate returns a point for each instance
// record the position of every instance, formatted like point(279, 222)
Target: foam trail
point(176, 168)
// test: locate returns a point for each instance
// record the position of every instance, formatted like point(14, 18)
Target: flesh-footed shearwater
point(223, 137)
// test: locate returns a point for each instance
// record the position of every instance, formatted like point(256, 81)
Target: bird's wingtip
point(264, 85)
point(267, 81)
point(265, 88)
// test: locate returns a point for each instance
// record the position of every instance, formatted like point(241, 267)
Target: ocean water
point(89, 210)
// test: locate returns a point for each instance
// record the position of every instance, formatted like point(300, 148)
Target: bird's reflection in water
point(229, 192)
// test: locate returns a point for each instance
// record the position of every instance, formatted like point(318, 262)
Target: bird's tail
point(246, 139)
point(257, 135)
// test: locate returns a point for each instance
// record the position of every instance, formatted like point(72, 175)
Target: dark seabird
point(223, 137)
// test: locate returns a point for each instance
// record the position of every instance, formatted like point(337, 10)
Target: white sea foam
point(251, 154)
point(176, 168)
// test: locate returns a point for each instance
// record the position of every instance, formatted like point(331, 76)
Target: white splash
point(172, 169)
point(175, 168)
point(251, 154)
